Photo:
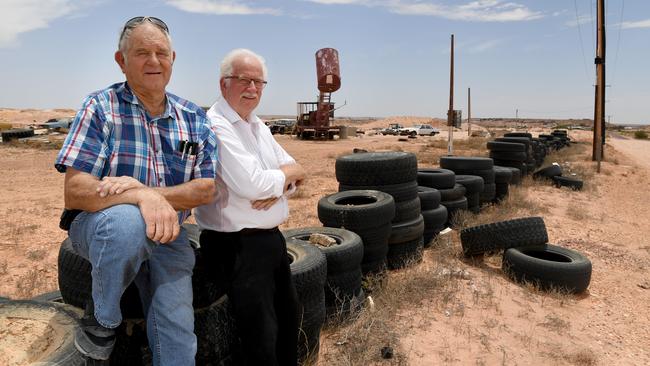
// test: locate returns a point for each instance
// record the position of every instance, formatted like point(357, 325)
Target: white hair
point(227, 64)
point(125, 36)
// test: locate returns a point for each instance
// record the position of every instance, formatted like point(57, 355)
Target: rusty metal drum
point(327, 70)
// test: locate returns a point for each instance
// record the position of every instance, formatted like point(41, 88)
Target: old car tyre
point(52, 296)
point(429, 198)
point(343, 256)
point(573, 183)
point(549, 267)
point(518, 134)
point(549, 172)
point(452, 194)
point(503, 235)
point(404, 254)
point(50, 339)
point(508, 155)
point(516, 174)
point(400, 192)
point(436, 178)
point(472, 183)
point(506, 146)
point(488, 194)
point(406, 230)
point(309, 273)
point(343, 264)
point(357, 209)
point(75, 283)
point(465, 163)
point(502, 175)
point(409, 210)
point(376, 168)
point(216, 334)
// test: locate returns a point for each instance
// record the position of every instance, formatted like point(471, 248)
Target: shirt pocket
point(182, 167)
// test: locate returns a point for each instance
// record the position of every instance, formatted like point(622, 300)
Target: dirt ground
point(488, 319)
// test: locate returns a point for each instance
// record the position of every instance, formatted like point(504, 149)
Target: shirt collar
point(126, 94)
point(223, 108)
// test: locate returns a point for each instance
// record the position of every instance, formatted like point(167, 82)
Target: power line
point(584, 57)
point(618, 43)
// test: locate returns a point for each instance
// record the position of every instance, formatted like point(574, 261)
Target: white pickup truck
point(422, 130)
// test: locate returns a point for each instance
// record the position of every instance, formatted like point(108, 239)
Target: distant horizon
point(263, 115)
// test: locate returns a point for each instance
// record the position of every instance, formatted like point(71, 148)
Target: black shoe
point(92, 339)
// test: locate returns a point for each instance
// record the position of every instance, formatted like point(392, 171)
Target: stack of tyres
point(443, 180)
point(563, 136)
point(343, 292)
point(480, 166)
point(502, 178)
point(539, 151)
point(510, 154)
point(367, 213)
point(516, 174)
point(474, 185)
point(433, 213)
point(395, 173)
point(530, 160)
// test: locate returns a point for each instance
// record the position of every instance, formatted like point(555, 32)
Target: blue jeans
point(114, 241)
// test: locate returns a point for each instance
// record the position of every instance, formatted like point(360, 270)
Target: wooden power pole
point(450, 112)
point(469, 112)
point(599, 110)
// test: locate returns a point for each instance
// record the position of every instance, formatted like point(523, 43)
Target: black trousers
point(255, 268)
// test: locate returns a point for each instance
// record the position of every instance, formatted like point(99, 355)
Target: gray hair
point(125, 34)
point(227, 64)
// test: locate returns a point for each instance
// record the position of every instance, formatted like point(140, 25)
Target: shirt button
point(160, 180)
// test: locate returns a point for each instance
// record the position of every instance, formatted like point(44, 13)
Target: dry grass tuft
point(555, 323)
point(361, 337)
point(29, 284)
point(36, 254)
point(4, 267)
point(577, 213)
point(5, 126)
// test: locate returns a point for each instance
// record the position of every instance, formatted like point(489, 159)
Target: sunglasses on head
point(139, 20)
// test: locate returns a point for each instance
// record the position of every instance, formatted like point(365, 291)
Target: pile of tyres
point(527, 255)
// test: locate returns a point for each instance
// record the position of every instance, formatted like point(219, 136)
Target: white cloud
point(484, 46)
point(637, 24)
point(220, 7)
point(339, 2)
point(20, 16)
point(476, 11)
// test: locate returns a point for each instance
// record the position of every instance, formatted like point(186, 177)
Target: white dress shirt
point(248, 169)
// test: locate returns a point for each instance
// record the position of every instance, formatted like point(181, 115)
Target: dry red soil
point(489, 320)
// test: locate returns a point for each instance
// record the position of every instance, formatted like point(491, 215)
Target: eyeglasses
point(244, 81)
point(131, 23)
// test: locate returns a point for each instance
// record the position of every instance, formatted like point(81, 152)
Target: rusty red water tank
point(327, 70)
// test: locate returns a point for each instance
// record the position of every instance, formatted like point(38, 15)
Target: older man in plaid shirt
point(136, 160)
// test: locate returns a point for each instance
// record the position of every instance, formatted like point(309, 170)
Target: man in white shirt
point(239, 229)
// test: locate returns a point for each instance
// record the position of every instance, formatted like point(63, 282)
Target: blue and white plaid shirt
point(112, 135)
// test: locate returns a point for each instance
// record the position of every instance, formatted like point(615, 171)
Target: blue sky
point(534, 56)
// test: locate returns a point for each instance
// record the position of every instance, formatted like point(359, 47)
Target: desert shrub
point(5, 126)
point(642, 135)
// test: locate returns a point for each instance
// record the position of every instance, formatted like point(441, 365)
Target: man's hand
point(115, 185)
point(159, 216)
point(264, 204)
point(293, 173)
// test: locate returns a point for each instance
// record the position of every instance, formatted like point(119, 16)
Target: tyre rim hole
point(356, 201)
point(548, 256)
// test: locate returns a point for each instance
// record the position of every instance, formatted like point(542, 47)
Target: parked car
point(392, 129)
point(422, 130)
point(281, 126)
